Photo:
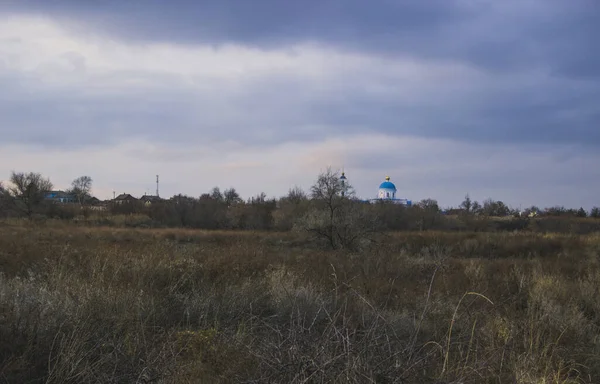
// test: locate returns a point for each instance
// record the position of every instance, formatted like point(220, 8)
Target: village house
point(124, 198)
point(60, 197)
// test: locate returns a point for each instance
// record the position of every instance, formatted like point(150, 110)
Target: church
point(386, 193)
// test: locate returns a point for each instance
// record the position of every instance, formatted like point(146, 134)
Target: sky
point(495, 99)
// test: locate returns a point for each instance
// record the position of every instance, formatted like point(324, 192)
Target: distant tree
point(296, 195)
point(256, 214)
point(81, 187)
point(494, 208)
point(476, 207)
point(258, 199)
point(430, 205)
point(572, 212)
point(581, 212)
point(28, 190)
point(182, 209)
point(327, 191)
point(336, 217)
point(216, 194)
point(595, 212)
point(429, 213)
point(556, 211)
point(290, 207)
point(467, 204)
point(231, 197)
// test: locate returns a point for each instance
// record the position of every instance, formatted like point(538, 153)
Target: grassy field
point(116, 305)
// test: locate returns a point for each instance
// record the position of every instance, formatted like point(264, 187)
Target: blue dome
point(387, 185)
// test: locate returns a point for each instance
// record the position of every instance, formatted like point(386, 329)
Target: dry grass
point(108, 305)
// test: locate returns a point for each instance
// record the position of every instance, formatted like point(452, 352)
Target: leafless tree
point(216, 194)
point(81, 187)
point(296, 195)
point(467, 204)
point(231, 197)
point(430, 205)
point(28, 189)
point(328, 191)
point(494, 208)
point(336, 216)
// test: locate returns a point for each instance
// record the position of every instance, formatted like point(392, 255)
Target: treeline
point(324, 205)
point(499, 209)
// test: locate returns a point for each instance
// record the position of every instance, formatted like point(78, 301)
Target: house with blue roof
point(60, 197)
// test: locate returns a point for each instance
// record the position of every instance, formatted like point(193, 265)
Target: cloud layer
point(497, 99)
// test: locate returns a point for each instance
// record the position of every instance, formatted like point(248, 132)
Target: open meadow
point(117, 305)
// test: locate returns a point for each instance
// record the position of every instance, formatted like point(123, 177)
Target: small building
point(124, 198)
point(60, 197)
point(149, 199)
point(93, 201)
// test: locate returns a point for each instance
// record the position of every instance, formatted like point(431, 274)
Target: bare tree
point(335, 216)
point(289, 208)
point(430, 205)
point(328, 190)
point(296, 195)
point(467, 204)
point(494, 208)
point(231, 197)
point(261, 198)
point(81, 187)
point(28, 189)
point(216, 194)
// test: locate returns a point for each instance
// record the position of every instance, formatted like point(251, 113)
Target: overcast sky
point(497, 99)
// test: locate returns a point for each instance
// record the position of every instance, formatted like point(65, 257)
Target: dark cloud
point(71, 118)
point(499, 37)
point(260, 21)
point(269, 112)
point(490, 115)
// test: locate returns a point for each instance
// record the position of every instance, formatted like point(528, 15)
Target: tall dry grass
point(110, 305)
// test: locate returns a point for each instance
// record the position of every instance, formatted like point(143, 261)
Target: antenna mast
point(156, 185)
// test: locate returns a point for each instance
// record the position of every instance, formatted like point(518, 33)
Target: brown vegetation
point(95, 304)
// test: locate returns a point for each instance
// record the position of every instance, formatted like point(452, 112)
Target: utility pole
point(156, 185)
